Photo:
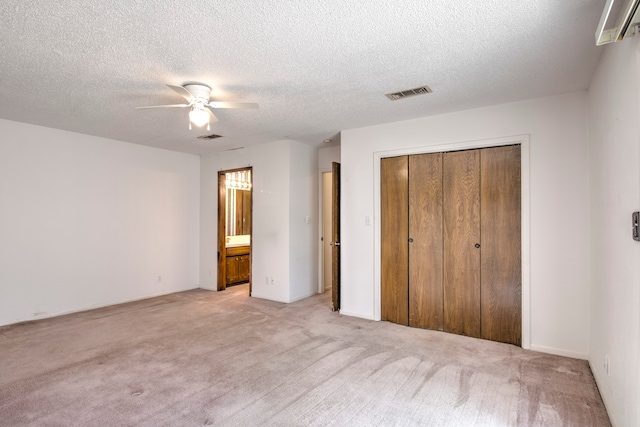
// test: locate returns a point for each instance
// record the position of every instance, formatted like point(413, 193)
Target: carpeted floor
point(221, 358)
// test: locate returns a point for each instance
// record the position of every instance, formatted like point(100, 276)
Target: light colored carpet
point(221, 358)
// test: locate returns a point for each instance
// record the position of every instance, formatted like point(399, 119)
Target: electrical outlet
point(159, 278)
point(607, 364)
point(272, 280)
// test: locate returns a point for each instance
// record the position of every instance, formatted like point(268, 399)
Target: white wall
point(304, 221)
point(87, 222)
point(326, 156)
point(614, 118)
point(284, 193)
point(559, 251)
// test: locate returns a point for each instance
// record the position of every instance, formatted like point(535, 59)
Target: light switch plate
point(635, 218)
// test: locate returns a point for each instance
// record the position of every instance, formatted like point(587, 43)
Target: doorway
point(325, 236)
point(329, 254)
point(235, 224)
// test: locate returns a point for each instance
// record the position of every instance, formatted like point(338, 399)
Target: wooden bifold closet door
point(461, 188)
point(394, 251)
point(450, 232)
point(426, 308)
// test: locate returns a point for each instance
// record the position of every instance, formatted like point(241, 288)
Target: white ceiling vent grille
point(212, 136)
point(409, 92)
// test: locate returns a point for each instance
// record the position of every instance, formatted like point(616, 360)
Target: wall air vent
point(409, 92)
point(212, 136)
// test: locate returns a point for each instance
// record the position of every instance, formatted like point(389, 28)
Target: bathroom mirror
point(238, 212)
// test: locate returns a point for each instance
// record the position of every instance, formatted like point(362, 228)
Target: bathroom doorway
point(235, 223)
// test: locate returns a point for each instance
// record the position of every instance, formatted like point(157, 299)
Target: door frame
point(335, 234)
point(222, 229)
point(525, 220)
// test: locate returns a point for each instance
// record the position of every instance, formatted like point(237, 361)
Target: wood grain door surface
point(335, 237)
point(394, 214)
point(222, 232)
point(501, 274)
point(451, 246)
point(244, 268)
point(426, 306)
point(461, 188)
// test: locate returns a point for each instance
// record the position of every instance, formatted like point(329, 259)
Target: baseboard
point(304, 296)
point(351, 314)
point(209, 288)
point(95, 307)
point(559, 352)
point(286, 301)
point(602, 395)
point(268, 297)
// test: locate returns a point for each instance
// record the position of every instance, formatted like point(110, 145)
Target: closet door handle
point(410, 239)
point(477, 245)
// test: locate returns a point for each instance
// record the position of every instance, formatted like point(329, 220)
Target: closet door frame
point(523, 140)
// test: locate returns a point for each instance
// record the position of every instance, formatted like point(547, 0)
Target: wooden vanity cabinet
point(238, 264)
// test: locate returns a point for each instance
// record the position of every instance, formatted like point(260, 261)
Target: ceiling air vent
point(409, 92)
point(212, 136)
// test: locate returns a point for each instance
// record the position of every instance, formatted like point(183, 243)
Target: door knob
point(334, 243)
point(410, 239)
point(477, 245)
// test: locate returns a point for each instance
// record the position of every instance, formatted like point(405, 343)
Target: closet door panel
point(461, 187)
point(394, 216)
point(426, 308)
point(501, 275)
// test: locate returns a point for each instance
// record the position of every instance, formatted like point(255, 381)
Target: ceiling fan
point(201, 106)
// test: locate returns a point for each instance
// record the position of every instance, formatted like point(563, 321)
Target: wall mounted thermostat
point(635, 218)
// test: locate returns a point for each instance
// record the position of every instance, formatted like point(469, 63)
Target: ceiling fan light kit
point(199, 116)
point(198, 96)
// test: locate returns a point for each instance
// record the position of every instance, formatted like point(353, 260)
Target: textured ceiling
point(315, 67)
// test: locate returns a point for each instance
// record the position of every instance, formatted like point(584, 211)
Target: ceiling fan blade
point(164, 106)
point(182, 92)
point(213, 116)
point(249, 105)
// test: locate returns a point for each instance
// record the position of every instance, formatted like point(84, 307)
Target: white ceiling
point(315, 67)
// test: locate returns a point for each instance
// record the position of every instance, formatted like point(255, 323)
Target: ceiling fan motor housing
point(199, 91)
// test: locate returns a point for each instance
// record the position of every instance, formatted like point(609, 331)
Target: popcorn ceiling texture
point(315, 66)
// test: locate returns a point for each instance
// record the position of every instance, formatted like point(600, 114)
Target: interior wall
point(88, 222)
point(614, 118)
point(303, 221)
point(559, 252)
point(284, 193)
point(270, 228)
point(328, 155)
